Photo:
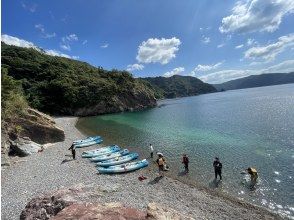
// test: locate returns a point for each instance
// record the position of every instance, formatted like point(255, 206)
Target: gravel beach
point(46, 171)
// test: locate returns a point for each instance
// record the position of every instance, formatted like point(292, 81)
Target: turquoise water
point(250, 127)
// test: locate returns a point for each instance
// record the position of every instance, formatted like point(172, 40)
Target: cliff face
point(61, 86)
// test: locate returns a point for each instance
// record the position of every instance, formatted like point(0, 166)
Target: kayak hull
point(88, 143)
point(101, 151)
point(119, 160)
point(123, 168)
point(110, 156)
point(86, 139)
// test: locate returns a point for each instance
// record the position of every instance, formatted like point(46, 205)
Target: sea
point(244, 128)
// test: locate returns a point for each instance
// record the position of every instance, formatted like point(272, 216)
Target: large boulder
point(77, 203)
point(108, 211)
point(24, 147)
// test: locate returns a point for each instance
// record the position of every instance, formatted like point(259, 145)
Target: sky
point(213, 40)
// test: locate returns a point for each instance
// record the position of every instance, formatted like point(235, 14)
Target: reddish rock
point(109, 211)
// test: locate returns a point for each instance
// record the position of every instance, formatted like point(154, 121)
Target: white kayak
point(118, 160)
point(110, 156)
point(101, 151)
point(123, 168)
point(86, 139)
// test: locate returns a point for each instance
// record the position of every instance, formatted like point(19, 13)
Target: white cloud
point(205, 40)
point(41, 28)
point(65, 47)
point(256, 15)
point(205, 68)
point(239, 46)
point(30, 7)
point(286, 66)
point(56, 53)
point(17, 42)
point(175, 71)
point(104, 46)
point(23, 43)
point(270, 51)
point(156, 50)
point(84, 42)
point(71, 37)
point(220, 45)
point(134, 67)
point(67, 41)
point(251, 41)
point(226, 75)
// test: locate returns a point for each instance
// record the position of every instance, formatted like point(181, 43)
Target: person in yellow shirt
point(253, 174)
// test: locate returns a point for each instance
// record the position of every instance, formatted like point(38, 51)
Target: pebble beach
point(53, 169)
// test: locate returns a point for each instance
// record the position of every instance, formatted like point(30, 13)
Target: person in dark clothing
point(217, 168)
point(73, 151)
point(186, 163)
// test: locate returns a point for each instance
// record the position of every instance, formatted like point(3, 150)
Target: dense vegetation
point(257, 81)
point(13, 103)
point(59, 85)
point(178, 86)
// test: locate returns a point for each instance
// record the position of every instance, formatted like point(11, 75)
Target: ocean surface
point(244, 128)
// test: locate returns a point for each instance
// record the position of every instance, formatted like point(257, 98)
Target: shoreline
point(39, 173)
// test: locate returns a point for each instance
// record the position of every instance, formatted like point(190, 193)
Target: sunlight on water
point(252, 127)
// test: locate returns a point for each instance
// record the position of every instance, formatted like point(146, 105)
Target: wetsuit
point(186, 163)
point(73, 151)
point(217, 168)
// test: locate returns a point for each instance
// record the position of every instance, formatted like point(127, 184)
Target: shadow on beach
point(155, 180)
point(182, 173)
point(66, 160)
point(215, 184)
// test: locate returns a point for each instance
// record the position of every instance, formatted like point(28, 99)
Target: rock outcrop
point(27, 134)
point(39, 127)
point(23, 146)
point(75, 203)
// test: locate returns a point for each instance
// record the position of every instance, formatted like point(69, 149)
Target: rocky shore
point(53, 170)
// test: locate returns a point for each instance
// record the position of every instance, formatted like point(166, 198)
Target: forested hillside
point(62, 86)
point(268, 79)
point(179, 86)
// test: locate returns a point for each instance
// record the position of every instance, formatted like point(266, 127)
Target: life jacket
point(160, 161)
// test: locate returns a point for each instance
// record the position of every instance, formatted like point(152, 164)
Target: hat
point(159, 154)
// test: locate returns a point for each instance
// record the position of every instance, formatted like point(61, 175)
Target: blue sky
point(213, 40)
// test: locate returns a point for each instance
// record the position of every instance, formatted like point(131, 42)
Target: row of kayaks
point(110, 159)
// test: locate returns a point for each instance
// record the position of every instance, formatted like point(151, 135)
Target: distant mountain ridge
point(252, 81)
point(178, 86)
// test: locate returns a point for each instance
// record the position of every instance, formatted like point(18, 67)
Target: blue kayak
point(123, 168)
point(101, 151)
point(86, 139)
point(118, 160)
point(110, 156)
point(88, 143)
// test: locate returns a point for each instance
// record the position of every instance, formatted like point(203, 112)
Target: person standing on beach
point(73, 151)
point(186, 163)
point(160, 162)
point(217, 168)
point(253, 175)
point(151, 150)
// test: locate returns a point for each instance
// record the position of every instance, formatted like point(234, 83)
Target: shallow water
point(250, 127)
